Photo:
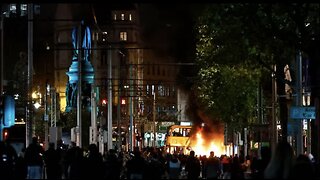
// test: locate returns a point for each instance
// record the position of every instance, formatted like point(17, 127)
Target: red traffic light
point(123, 101)
point(104, 101)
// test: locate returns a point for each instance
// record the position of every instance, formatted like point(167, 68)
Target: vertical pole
point(47, 89)
point(154, 118)
point(120, 85)
point(1, 63)
point(29, 131)
point(245, 142)
point(119, 115)
point(1, 73)
point(259, 116)
point(131, 141)
point(79, 108)
point(299, 122)
point(274, 134)
point(93, 117)
point(308, 136)
point(109, 140)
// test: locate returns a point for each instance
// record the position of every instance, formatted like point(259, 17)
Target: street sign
point(297, 112)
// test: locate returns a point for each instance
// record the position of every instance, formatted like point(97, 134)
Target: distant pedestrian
point(303, 168)
point(112, 165)
point(93, 163)
point(8, 157)
point(174, 167)
point(136, 166)
point(258, 166)
point(52, 159)
point(76, 168)
point(212, 167)
point(34, 161)
point(21, 167)
point(281, 163)
point(193, 167)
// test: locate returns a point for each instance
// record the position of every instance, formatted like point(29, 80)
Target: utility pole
point(109, 122)
point(79, 92)
point(45, 117)
point(93, 139)
point(299, 122)
point(1, 73)
point(274, 132)
point(29, 118)
point(1, 63)
point(131, 131)
point(154, 118)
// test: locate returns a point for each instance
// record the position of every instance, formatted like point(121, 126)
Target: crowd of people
point(61, 162)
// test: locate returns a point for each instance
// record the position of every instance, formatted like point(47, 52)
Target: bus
point(178, 139)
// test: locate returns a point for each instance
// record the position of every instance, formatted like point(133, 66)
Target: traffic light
point(5, 134)
point(104, 102)
point(123, 101)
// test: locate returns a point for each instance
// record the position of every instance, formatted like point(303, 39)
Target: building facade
point(143, 83)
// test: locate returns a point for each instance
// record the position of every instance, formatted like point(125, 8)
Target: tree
point(68, 120)
point(248, 39)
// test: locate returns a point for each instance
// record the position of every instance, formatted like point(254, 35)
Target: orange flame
point(202, 146)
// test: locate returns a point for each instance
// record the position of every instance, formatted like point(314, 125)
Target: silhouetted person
point(93, 163)
point(67, 159)
point(281, 163)
point(193, 166)
point(21, 166)
point(112, 165)
point(212, 167)
point(8, 157)
point(235, 167)
point(174, 167)
point(303, 168)
point(34, 161)
point(154, 168)
point(136, 165)
point(76, 168)
point(52, 159)
point(259, 165)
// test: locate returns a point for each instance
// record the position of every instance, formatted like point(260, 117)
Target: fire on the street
point(202, 146)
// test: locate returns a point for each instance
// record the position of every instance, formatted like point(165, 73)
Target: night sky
point(167, 28)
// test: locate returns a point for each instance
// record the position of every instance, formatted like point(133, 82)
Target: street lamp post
point(79, 95)
point(274, 133)
point(109, 123)
point(29, 131)
point(154, 119)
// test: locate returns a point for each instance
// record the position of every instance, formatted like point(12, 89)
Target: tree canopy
point(237, 45)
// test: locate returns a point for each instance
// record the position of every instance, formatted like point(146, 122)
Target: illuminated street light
point(37, 105)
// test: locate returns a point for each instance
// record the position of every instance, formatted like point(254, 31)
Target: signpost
point(297, 112)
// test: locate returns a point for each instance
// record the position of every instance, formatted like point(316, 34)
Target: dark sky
point(168, 28)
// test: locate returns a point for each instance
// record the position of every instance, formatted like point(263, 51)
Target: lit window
point(122, 16)
point(123, 36)
point(13, 8)
point(23, 7)
point(115, 16)
point(130, 17)
point(104, 36)
point(147, 89)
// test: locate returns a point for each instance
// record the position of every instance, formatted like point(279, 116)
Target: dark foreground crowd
point(150, 163)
